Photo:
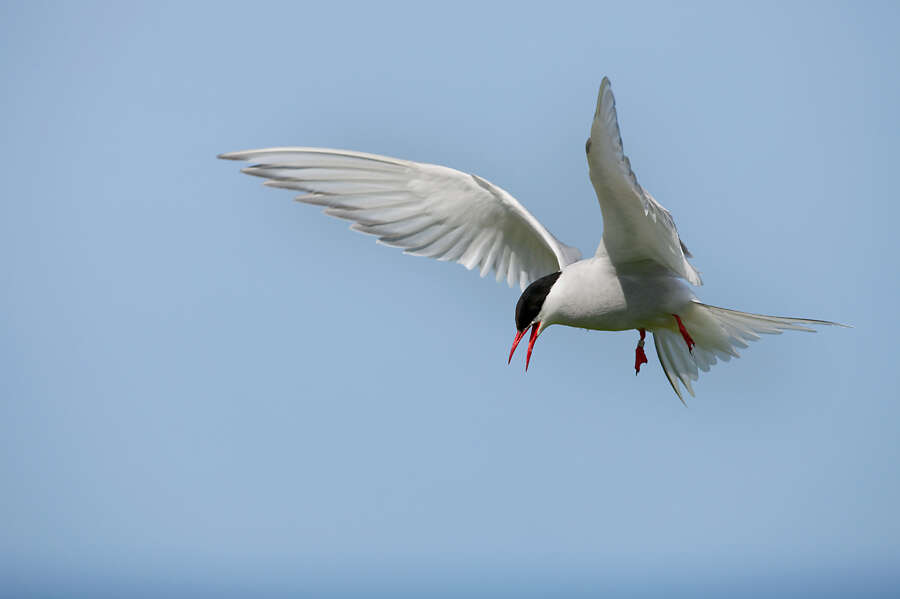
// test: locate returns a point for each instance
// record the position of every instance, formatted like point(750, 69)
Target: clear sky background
point(210, 389)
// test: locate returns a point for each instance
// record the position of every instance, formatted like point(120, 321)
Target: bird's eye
point(587, 146)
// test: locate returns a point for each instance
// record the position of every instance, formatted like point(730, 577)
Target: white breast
point(593, 294)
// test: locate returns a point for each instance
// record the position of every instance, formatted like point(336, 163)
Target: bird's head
point(528, 311)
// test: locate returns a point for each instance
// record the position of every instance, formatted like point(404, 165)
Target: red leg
point(685, 334)
point(639, 356)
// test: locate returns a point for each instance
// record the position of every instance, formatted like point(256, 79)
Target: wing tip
point(604, 92)
point(605, 86)
point(255, 171)
point(249, 154)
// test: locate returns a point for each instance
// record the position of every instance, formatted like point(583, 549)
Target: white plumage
point(642, 229)
point(637, 278)
point(427, 210)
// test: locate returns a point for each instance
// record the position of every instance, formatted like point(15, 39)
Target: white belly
point(592, 294)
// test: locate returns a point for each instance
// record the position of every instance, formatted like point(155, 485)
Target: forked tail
point(716, 333)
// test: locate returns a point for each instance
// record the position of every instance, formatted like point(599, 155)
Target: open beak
point(534, 335)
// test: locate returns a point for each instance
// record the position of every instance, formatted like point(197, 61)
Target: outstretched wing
point(635, 226)
point(426, 209)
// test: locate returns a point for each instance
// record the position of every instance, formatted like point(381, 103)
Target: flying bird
point(639, 278)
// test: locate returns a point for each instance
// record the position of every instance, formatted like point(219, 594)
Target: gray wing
point(635, 226)
point(426, 209)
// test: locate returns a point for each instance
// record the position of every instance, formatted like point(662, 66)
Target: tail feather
point(673, 363)
point(668, 369)
point(716, 333)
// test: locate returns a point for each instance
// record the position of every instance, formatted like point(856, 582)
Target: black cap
point(532, 300)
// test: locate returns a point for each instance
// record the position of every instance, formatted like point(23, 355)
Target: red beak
point(534, 334)
point(518, 338)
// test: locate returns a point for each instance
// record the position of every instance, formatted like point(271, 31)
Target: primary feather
point(426, 209)
point(635, 226)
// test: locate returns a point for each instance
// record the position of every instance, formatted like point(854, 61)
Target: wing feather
point(425, 209)
point(635, 226)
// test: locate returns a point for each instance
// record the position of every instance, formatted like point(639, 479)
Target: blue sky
point(210, 389)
